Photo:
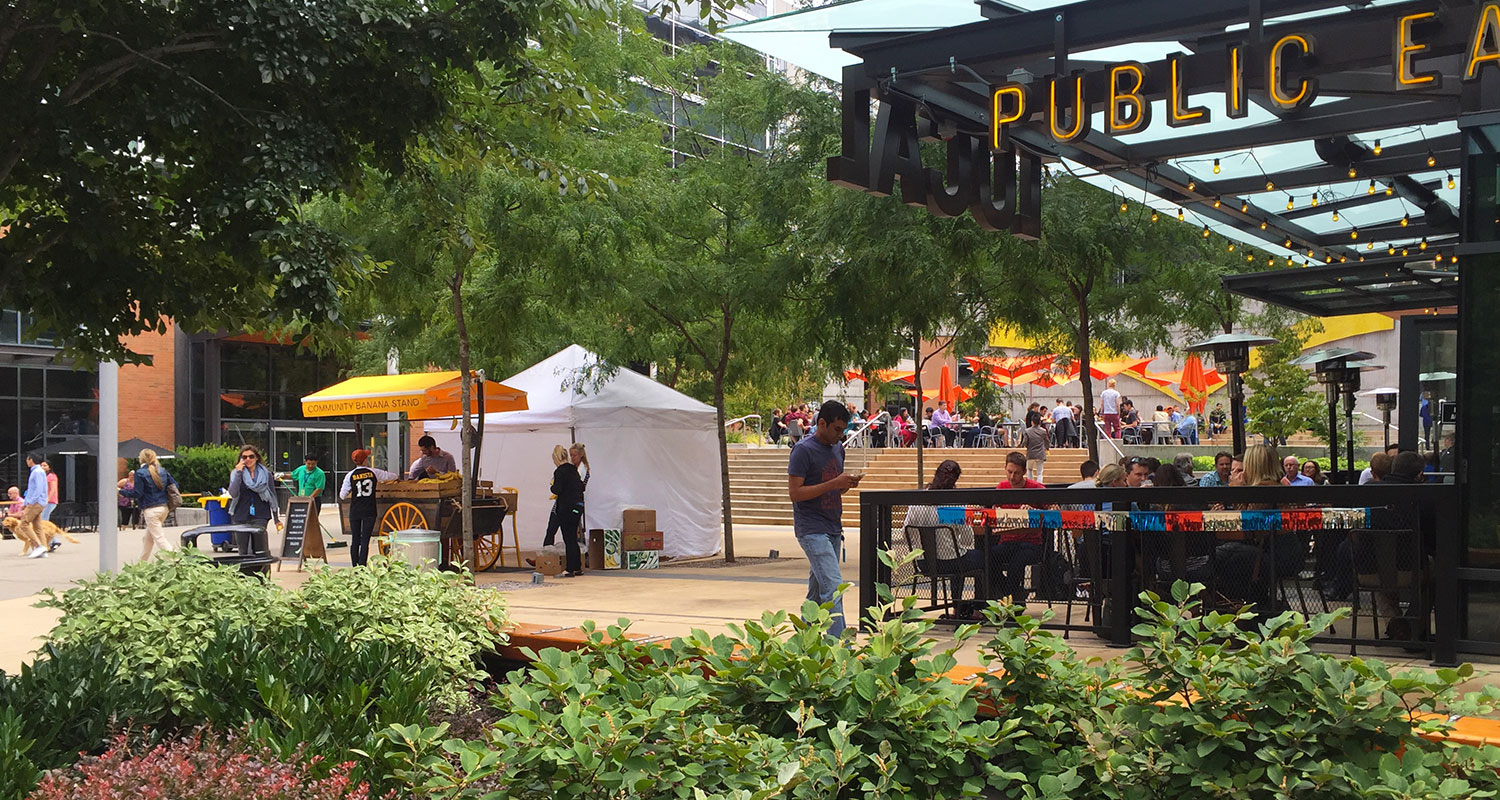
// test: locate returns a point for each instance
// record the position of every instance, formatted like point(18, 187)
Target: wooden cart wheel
point(399, 517)
point(486, 551)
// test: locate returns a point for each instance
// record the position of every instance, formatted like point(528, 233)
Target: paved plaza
point(670, 601)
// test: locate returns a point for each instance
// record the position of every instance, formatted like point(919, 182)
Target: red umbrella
point(1194, 385)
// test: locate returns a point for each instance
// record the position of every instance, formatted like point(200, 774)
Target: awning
point(423, 395)
point(1377, 285)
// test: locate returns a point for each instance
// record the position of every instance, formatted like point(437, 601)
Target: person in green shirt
point(310, 480)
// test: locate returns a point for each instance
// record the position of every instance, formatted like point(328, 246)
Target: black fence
point(1388, 552)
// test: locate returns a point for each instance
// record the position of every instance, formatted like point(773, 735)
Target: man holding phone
point(816, 482)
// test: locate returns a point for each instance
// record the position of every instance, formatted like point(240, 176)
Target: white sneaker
point(40, 552)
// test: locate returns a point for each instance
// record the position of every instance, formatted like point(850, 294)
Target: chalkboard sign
point(302, 537)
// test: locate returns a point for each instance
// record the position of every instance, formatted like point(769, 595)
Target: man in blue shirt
point(1219, 476)
point(1187, 428)
point(816, 482)
point(1294, 476)
point(35, 499)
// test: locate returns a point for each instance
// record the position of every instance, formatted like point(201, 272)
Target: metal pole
point(1349, 431)
point(393, 420)
point(1237, 412)
point(109, 446)
point(1332, 395)
point(1386, 413)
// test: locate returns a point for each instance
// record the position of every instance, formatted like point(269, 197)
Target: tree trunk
point(1091, 435)
point(466, 430)
point(916, 359)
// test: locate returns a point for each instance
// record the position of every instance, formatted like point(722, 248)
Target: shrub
point(158, 617)
point(202, 767)
point(1209, 707)
point(204, 469)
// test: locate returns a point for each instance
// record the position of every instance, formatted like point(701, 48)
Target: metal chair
point(1130, 436)
point(986, 437)
point(941, 574)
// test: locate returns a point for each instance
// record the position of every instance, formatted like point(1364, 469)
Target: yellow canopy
point(422, 395)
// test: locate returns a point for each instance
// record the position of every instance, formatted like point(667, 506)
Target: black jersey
point(361, 493)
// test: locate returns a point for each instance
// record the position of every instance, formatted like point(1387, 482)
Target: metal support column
point(109, 444)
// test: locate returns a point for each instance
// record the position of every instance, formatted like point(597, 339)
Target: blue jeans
point(47, 510)
point(823, 577)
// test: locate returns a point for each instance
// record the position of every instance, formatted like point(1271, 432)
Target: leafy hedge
point(204, 469)
point(1202, 464)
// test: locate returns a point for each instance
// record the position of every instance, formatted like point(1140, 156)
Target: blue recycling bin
point(218, 514)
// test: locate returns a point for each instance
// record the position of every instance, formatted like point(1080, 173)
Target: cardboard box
point(549, 564)
point(595, 558)
point(639, 520)
point(643, 559)
point(614, 553)
point(635, 542)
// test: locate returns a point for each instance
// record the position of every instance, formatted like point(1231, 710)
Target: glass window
point(10, 327)
point(72, 384)
point(31, 382)
point(244, 366)
point(293, 373)
point(244, 405)
point(10, 443)
point(67, 418)
point(9, 382)
point(29, 424)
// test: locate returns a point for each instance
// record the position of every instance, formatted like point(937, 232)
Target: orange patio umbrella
point(945, 388)
point(1193, 385)
point(882, 375)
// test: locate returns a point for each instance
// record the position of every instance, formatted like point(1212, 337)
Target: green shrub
point(1207, 706)
point(203, 469)
point(157, 617)
point(1202, 464)
point(18, 772)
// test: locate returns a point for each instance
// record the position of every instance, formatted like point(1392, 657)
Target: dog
point(48, 529)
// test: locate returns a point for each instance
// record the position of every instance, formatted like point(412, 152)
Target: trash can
point(218, 514)
point(420, 548)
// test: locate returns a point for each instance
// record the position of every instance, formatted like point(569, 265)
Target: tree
point(1095, 278)
point(1279, 403)
point(154, 154)
point(893, 278)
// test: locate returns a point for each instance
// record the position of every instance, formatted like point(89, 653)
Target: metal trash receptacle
point(418, 547)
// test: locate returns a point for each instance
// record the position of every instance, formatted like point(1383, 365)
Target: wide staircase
point(757, 475)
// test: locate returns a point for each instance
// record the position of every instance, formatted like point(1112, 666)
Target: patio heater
point(1385, 400)
point(1338, 369)
point(1231, 353)
point(1429, 382)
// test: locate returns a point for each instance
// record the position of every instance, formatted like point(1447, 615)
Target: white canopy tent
point(648, 445)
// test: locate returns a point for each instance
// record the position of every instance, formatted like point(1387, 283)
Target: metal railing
point(742, 420)
point(859, 434)
point(1374, 549)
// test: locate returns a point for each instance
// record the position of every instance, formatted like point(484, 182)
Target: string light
point(1390, 250)
point(1315, 199)
point(1405, 252)
point(1124, 206)
point(1431, 159)
point(1271, 261)
point(1153, 215)
point(1231, 247)
point(1335, 215)
point(1287, 243)
point(1372, 186)
point(1342, 259)
point(1206, 231)
point(1369, 245)
point(1390, 188)
point(1354, 233)
point(1217, 202)
point(1352, 172)
point(1244, 206)
point(1249, 257)
point(1179, 214)
point(1269, 185)
point(1328, 259)
point(1361, 258)
point(1216, 166)
point(1423, 245)
point(1451, 184)
point(1438, 258)
point(1262, 224)
point(1405, 220)
point(1192, 184)
point(1453, 259)
point(1377, 147)
point(1290, 203)
point(1289, 261)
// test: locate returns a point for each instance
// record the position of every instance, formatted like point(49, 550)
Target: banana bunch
point(446, 477)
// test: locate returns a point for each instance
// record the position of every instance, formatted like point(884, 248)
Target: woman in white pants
point(149, 490)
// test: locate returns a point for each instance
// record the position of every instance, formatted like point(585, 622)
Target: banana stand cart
point(433, 503)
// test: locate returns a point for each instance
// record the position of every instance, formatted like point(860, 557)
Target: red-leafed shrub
point(203, 767)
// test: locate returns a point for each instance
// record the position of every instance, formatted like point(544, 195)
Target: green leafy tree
point(1279, 403)
point(1098, 277)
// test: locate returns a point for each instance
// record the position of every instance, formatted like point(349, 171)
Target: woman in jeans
point(148, 487)
point(251, 492)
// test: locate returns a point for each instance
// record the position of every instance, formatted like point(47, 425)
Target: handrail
point(759, 433)
point(861, 431)
point(1104, 436)
point(1382, 422)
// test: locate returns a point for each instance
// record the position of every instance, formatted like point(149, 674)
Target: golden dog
point(48, 529)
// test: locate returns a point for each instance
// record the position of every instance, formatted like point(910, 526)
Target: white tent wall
point(648, 445)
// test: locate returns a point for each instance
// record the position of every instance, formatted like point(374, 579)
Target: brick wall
point(148, 393)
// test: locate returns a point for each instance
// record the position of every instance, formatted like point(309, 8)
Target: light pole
point(1231, 352)
point(1338, 369)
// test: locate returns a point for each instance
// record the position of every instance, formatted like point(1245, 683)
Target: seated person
point(1245, 569)
point(952, 556)
point(1130, 419)
point(1018, 547)
point(1187, 428)
point(1218, 420)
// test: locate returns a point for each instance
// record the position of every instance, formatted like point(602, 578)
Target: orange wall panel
point(148, 395)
